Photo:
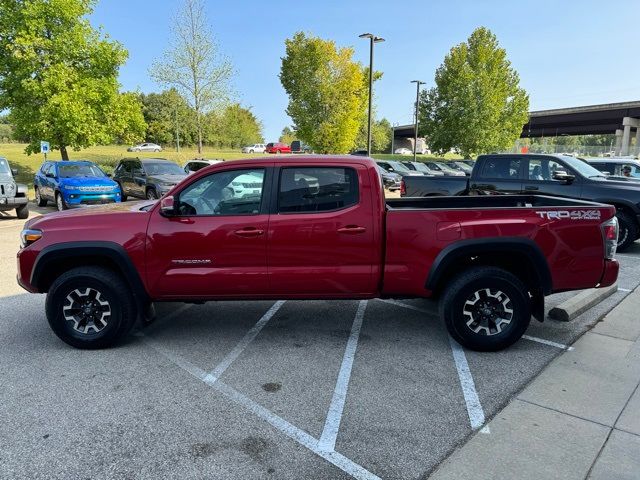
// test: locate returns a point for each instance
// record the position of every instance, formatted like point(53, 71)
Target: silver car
point(194, 165)
point(255, 148)
point(145, 147)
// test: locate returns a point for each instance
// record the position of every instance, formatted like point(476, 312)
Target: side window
point(317, 189)
point(386, 166)
point(45, 168)
point(136, 168)
point(545, 169)
point(502, 168)
point(610, 168)
point(233, 192)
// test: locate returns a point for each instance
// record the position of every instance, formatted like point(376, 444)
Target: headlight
point(28, 236)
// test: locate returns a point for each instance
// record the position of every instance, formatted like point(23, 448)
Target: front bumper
point(9, 203)
point(80, 199)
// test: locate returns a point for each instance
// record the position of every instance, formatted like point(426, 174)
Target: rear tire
point(90, 307)
point(628, 230)
point(41, 202)
point(23, 211)
point(486, 309)
point(278, 152)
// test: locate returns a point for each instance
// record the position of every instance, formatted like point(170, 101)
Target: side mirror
point(563, 177)
point(14, 171)
point(108, 175)
point(167, 206)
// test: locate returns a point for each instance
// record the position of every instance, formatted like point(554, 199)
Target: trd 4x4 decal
point(571, 215)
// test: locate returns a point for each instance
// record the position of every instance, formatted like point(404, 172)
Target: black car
point(390, 180)
point(298, 147)
point(147, 178)
point(556, 175)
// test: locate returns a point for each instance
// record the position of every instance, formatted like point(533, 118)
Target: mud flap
point(537, 306)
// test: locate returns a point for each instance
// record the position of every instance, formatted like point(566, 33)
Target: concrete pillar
point(618, 142)
point(638, 141)
point(627, 123)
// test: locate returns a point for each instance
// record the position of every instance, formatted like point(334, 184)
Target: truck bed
point(484, 202)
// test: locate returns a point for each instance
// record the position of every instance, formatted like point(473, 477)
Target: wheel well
point(57, 267)
point(515, 262)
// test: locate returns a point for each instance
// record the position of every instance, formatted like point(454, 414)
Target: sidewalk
point(580, 418)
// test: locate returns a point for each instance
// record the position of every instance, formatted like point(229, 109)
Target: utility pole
point(415, 137)
point(372, 39)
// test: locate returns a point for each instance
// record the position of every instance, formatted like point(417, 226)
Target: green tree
point(167, 114)
point(58, 77)
point(193, 65)
point(380, 136)
point(239, 127)
point(477, 105)
point(288, 135)
point(327, 92)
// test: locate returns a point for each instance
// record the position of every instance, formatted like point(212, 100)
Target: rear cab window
point(501, 168)
point(317, 189)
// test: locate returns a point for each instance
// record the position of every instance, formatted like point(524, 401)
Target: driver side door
point(215, 245)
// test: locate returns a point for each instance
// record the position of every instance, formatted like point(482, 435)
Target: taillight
point(610, 236)
point(403, 188)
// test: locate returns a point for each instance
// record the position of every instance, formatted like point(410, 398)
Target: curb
point(570, 309)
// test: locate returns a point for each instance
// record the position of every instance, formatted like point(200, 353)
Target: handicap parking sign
point(44, 147)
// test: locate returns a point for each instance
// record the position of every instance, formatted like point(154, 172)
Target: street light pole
point(415, 138)
point(372, 39)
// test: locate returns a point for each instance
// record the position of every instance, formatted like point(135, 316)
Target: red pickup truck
point(317, 227)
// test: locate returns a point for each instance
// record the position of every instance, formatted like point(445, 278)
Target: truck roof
point(312, 159)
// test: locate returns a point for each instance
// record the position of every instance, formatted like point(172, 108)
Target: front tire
point(628, 230)
point(123, 196)
point(486, 309)
point(23, 211)
point(60, 203)
point(152, 194)
point(41, 202)
point(90, 307)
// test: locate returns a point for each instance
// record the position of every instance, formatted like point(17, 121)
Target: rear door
point(321, 232)
point(539, 178)
point(498, 175)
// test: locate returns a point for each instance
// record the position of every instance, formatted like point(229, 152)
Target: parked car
point(145, 147)
point(298, 147)
point(390, 180)
point(620, 167)
point(422, 168)
point(74, 184)
point(330, 234)
point(194, 165)
point(278, 147)
point(397, 167)
point(255, 148)
point(147, 178)
point(12, 195)
point(403, 151)
point(555, 175)
point(360, 153)
point(460, 167)
point(445, 169)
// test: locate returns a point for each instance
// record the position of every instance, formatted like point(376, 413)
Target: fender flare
point(110, 250)
point(449, 255)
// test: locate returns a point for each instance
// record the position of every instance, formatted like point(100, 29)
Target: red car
point(277, 148)
point(314, 228)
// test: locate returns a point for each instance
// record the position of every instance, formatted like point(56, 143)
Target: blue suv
point(74, 183)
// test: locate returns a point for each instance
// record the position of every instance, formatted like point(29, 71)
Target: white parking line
point(303, 438)
point(626, 290)
point(547, 342)
point(474, 409)
point(231, 357)
point(329, 435)
point(405, 305)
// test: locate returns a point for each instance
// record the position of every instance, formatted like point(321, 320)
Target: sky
point(567, 52)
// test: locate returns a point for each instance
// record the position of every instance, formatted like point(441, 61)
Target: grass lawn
point(108, 156)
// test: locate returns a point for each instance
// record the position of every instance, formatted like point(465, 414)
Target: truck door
point(215, 244)
point(497, 175)
point(539, 179)
point(321, 232)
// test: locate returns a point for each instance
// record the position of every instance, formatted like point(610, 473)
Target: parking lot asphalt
point(291, 389)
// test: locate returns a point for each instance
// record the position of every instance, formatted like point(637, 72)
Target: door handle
point(249, 232)
point(352, 229)
point(530, 188)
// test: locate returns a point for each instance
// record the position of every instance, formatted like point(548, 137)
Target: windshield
point(582, 167)
point(421, 167)
point(79, 170)
point(162, 168)
point(4, 166)
point(398, 166)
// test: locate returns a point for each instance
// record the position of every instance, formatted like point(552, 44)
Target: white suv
point(256, 148)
